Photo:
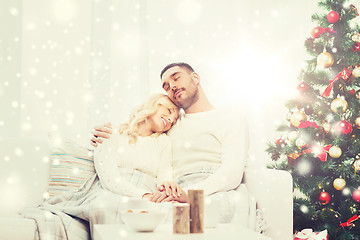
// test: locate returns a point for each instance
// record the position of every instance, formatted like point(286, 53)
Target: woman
point(139, 144)
point(133, 163)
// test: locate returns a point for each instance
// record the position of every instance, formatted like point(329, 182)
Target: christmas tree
point(320, 143)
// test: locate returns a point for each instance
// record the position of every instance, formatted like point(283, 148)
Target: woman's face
point(163, 119)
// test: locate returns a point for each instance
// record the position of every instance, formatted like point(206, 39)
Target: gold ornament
point(339, 105)
point(335, 152)
point(300, 143)
point(357, 122)
point(355, 37)
point(339, 184)
point(357, 94)
point(327, 127)
point(297, 117)
point(357, 165)
point(293, 135)
point(325, 60)
point(356, 72)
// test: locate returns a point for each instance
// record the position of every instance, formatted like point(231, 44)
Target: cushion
point(71, 164)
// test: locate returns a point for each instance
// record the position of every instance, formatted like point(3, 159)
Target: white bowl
point(143, 220)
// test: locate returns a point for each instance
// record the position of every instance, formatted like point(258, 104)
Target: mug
point(212, 211)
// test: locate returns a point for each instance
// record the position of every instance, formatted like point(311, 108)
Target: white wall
point(45, 83)
point(67, 65)
point(245, 52)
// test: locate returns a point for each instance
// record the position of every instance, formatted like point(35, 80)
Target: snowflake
point(18, 152)
point(189, 11)
point(33, 71)
point(346, 191)
point(10, 180)
point(64, 10)
point(26, 127)
point(30, 26)
point(48, 104)
point(76, 171)
point(54, 127)
point(13, 11)
point(122, 233)
point(15, 104)
point(275, 13)
point(304, 209)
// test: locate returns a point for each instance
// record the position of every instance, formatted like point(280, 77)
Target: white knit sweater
point(150, 155)
point(217, 140)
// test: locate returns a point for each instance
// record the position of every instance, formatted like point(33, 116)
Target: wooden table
point(164, 231)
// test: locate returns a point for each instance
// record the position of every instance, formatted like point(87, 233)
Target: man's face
point(181, 86)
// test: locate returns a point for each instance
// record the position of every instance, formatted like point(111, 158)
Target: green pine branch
point(310, 175)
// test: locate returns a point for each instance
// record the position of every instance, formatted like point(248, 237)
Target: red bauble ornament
point(352, 92)
point(302, 87)
point(280, 142)
point(356, 47)
point(343, 127)
point(333, 17)
point(356, 195)
point(324, 198)
point(316, 32)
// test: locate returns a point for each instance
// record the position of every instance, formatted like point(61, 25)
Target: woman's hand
point(171, 189)
point(101, 132)
point(160, 196)
point(183, 198)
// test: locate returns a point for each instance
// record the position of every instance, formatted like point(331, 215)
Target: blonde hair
point(141, 114)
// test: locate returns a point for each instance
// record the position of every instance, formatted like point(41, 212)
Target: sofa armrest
point(17, 228)
point(272, 190)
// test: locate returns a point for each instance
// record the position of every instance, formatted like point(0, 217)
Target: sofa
point(27, 174)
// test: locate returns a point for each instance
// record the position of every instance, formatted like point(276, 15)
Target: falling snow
point(67, 68)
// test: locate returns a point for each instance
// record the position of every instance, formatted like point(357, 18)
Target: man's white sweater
point(216, 140)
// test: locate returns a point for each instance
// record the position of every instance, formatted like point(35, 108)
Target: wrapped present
point(308, 234)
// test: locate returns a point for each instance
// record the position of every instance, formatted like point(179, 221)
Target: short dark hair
point(178, 64)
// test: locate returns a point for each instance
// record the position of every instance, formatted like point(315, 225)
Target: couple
point(208, 146)
point(204, 149)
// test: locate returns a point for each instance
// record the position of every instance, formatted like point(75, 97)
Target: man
point(209, 145)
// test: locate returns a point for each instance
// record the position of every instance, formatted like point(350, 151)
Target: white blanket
point(72, 215)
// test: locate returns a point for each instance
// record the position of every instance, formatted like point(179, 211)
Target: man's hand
point(147, 195)
point(158, 196)
point(101, 132)
point(169, 192)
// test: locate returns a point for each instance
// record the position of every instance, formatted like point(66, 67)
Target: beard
point(189, 100)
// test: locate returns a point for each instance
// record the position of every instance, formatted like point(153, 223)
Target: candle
point(181, 218)
point(196, 201)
